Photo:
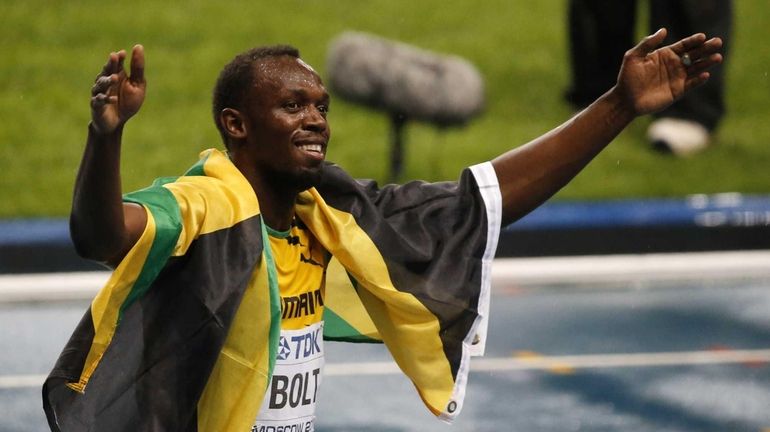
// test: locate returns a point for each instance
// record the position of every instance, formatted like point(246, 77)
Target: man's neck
point(276, 201)
point(277, 207)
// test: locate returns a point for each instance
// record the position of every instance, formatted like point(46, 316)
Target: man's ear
point(233, 123)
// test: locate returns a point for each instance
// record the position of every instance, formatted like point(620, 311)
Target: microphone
point(403, 80)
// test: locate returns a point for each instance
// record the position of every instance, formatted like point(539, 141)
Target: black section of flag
point(432, 237)
point(169, 339)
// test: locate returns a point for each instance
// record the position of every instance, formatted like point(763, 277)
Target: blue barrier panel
point(17, 232)
point(731, 209)
point(696, 223)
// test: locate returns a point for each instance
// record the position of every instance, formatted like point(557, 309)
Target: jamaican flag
point(183, 336)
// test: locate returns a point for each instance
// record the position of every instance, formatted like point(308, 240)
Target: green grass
point(51, 52)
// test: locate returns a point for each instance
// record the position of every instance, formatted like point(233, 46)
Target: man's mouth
point(311, 148)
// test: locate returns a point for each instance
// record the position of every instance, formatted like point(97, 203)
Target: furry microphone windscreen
point(404, 80)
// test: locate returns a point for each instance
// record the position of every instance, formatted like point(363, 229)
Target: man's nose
point(315, 120)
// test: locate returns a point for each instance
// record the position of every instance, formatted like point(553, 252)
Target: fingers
point(102, 84)
point(112, 71)
point(696, 46)
point(704, 51)
point(703, 60)
point(100, 91)
point(107, 77)
point(696, 81)
point(650, 43)
point(100, 100)
point(115, 62)
point(106, 70)
point(702, 56)
point(110, 67)
point(703, 64)
point(137, 64)
point(688, 43)
point(121, 58)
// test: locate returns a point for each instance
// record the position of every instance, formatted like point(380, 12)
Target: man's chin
point(298, 179)
point(310, 177)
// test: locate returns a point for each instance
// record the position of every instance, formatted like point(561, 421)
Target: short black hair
point(238, 75)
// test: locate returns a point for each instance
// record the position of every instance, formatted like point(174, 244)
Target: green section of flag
point(337, 329)
point(165, 211)
point(275, 299)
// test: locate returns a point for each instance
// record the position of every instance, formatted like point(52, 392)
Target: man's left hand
point(653, 77)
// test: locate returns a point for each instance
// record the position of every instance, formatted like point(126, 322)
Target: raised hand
point(653, 77)
point(117, 96)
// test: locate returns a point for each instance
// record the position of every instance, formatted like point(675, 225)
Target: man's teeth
point(317, 148)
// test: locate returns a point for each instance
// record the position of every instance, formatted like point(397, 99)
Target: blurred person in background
point(600, 31)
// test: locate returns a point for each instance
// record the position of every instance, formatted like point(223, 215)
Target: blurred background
point(51, 52)
point(613, 316)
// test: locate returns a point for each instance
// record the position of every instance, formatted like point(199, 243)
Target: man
point(225, 277)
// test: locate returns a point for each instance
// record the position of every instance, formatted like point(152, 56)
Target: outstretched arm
point(650, 79)
point(102, 227)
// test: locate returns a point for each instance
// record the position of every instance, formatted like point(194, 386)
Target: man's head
point(237, 76)
point(270, 108)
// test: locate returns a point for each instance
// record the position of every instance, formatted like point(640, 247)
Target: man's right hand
point(116, 96)
point(102, 227)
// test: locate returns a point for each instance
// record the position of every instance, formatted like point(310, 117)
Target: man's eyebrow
point(301, 92)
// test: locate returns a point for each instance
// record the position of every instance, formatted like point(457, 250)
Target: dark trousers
point(601, 31)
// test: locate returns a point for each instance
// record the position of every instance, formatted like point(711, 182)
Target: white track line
point(577, 270)
point(21, 381)
point(51, 286)
point(587, 361)
point(506, 272)
point(524, 363)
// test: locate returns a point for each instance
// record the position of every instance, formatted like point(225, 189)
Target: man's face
point(286, 122)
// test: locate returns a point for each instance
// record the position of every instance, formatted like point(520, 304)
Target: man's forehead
point(279, 66)
point(270, 64)
point(306, 66)
point(279, 75)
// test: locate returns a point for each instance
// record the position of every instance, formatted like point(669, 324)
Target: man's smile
point(313, 146)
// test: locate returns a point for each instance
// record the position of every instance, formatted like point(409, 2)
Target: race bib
point(290, 400)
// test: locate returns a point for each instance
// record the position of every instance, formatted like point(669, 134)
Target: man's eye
point(293, 106)
point(323, 109)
